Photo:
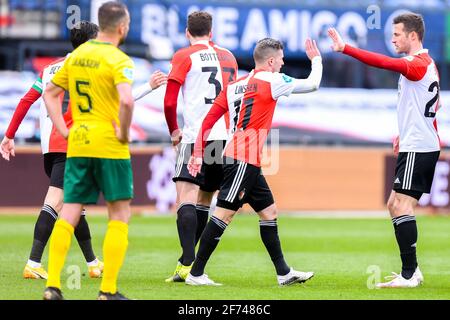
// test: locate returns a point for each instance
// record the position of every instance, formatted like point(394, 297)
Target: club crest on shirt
point(286, 78)
point(80, 135)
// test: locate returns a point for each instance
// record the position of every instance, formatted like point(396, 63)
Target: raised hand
point(338, 43)
point(311, 49)
point(157, 79)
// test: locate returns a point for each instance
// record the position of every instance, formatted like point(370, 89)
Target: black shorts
point(414, 173)
point(211, 174)
point(54, 165)
point(243, 183)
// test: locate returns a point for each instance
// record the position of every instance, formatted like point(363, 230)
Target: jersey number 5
point(430, 103)
point(82, 92)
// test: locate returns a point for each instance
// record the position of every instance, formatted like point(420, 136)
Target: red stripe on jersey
point(181, 62)
point(254, 122)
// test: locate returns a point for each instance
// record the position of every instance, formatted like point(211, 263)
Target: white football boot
point(202, 280)
point(397, 281)
point(294, 276)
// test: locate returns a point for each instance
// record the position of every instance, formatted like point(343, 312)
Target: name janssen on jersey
point(214, 57)
point(253, 87)
point(86, 63)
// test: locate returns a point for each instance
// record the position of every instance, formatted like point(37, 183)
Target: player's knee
point(399, 208)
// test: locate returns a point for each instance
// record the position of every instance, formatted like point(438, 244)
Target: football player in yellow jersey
point(98, 76)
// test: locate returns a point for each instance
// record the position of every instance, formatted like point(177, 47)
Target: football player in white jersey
point(417, 145)
point(200, 72)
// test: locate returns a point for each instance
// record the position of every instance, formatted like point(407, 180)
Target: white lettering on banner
point(352, 20)
point(226, 32)
point(161, 24)
point(291, 26)
point(439, 196)
point(254, 30)
point(284, 28)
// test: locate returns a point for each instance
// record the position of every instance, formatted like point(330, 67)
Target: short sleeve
point(123, 71)
point(180, 66)
point(281, 85)
point(417, 67)
point(61, 78)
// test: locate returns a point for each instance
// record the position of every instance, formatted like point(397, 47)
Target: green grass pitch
point(339, 251)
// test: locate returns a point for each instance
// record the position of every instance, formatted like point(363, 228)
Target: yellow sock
point(59, 246)
point(114, 249)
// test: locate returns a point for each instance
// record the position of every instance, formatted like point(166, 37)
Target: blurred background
point(334, 149)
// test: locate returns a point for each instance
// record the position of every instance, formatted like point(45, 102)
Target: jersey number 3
point(213, 80)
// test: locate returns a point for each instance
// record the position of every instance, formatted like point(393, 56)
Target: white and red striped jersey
point(418, 96)
point(51, 139)
point(203, 70)
point(250, 102)
point(418, 102)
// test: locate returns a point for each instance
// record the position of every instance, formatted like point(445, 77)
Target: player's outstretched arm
point(125, 112)
point(312, 83)
point(53, 105)
point(370, 58)
point(157, 79)
point(7, 145)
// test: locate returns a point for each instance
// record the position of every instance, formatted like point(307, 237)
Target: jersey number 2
point(430, 103)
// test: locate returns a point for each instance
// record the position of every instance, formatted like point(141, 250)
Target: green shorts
point(84, 178)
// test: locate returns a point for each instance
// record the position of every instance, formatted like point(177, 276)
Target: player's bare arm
point(125, 113)
point(53, 105)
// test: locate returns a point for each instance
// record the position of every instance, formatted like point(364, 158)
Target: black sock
point(406, 233)
point(42, 231)
point(208, 242)
point(187, 225)
point(83, 235)
point(269, 236)
point(202, 220)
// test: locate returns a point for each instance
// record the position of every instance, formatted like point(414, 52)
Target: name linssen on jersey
point(253, 87)
point(215, 57)
point(88, 63)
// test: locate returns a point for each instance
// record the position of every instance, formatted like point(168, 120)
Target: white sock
point(93, 263)
point(34, 264)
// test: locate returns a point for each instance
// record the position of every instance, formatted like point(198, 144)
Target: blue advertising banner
point(237, 26)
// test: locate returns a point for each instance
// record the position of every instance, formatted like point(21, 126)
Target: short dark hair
point(82, 32)
point(412, 22)
point(110, 14)
point(199, 23)
point(265, 47)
